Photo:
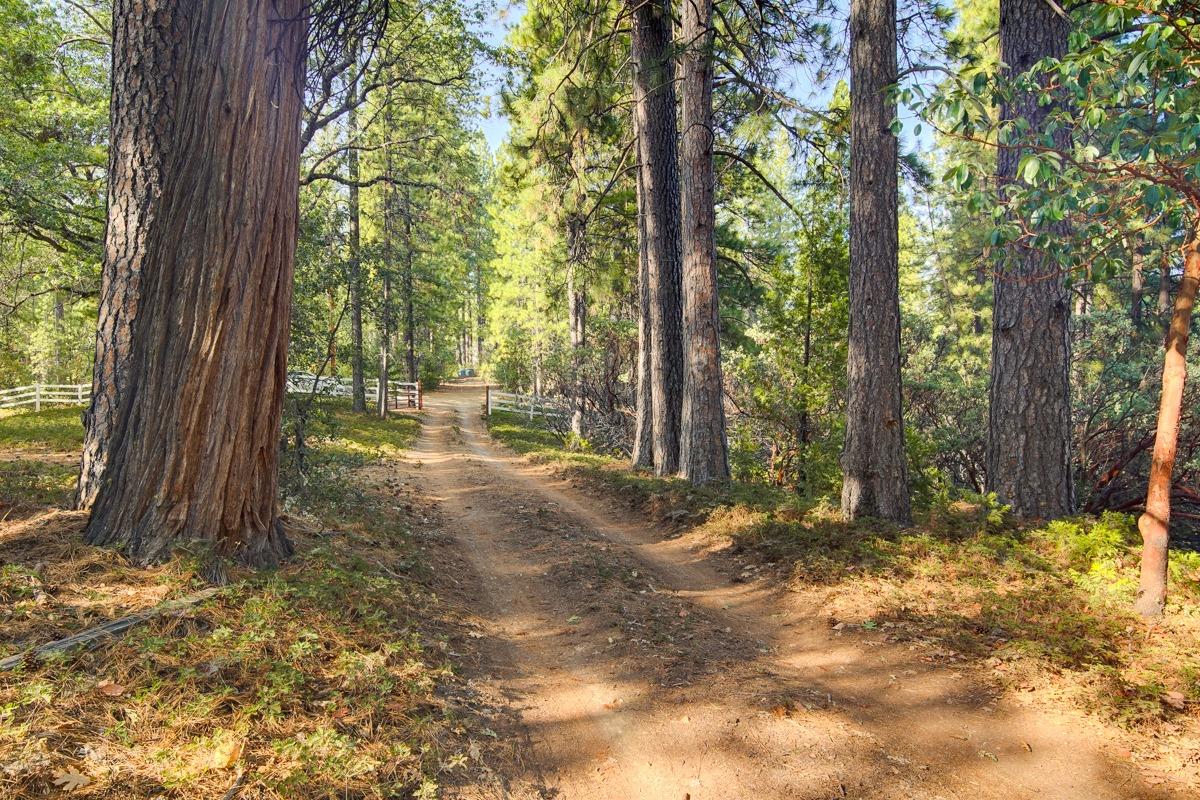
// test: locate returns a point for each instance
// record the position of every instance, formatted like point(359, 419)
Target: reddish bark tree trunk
point(654, 95)
point(1029, 423)
point(142, 119)
point(703, 449)
point(874, 467)
point(1155, 523)
point(194, 451)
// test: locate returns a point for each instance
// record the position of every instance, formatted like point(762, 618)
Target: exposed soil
point(635, 665)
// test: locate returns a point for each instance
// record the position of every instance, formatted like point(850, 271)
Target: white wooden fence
point(40, 394)
point(530, 405)
point(400, 393)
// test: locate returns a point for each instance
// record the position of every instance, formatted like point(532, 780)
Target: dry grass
point(331, 677)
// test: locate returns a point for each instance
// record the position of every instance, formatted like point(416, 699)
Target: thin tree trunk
point(358, 388)
point(577, 318)
point(875, 472)
point(194, 452)
point(654, 94)
point(643, 433)
point(1164, 287)
point(410, 317)
point(1137, 289)
point(385, 342)
point(703, 449)
point(1029, 425)
point(1155, 523)
point(145, 63)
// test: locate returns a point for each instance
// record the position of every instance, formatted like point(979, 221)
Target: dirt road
point(641, 669)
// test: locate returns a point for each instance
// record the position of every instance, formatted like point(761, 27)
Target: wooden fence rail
point(39, 394)
point(531, 405)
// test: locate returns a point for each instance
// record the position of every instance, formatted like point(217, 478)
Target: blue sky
point(499, 20)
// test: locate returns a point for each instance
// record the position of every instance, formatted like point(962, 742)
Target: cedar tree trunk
point(195, 448)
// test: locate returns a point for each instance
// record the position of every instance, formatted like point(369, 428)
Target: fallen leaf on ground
point(70, 781)
point(110, 689)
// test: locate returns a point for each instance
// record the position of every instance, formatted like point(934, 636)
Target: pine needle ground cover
point(1039, 610)
point(330, 677)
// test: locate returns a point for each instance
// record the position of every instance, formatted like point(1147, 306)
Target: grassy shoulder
point(1040, 608)
point(329, 677)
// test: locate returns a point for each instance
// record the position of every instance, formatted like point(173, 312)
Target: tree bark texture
point(577, 317)
point(1137, 289)
point(1155, 523)
point(654, 95)
point(410, 311)
point(1029, 425)
point(643, 432)
point(703, 448)
point(194, 452)
point(358, 389)
point(146, 54)
point(875, 472)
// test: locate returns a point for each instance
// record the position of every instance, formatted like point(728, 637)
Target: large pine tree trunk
point(643, 431)
point(194, 451)
point(1029, 424)
point(654, 94)
point(1155, 523)
point(358, 389)
point(875, 473)
point(142, 120)
point(703, 449)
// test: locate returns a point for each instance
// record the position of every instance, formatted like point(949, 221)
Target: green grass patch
point(38, 483)
point(59, 428)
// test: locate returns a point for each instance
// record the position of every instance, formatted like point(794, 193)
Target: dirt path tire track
point(639, 670)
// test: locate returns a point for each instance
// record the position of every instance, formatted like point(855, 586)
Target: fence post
point(487, 401)
point(37, 397)
point(420, 397)
point(532, 400)
point(79, 392)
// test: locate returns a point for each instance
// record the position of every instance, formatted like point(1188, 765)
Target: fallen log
point(92, 637)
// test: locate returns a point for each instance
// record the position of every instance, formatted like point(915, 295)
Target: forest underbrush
point(329, 677)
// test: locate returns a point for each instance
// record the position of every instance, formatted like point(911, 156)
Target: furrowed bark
point(703, 449)
point(576, 317)
point(194, 452)
point(1029, 424)
point(654, 91)
point(875, 472)
point(1155, 523)
point(142, 118)
point(643, 433)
